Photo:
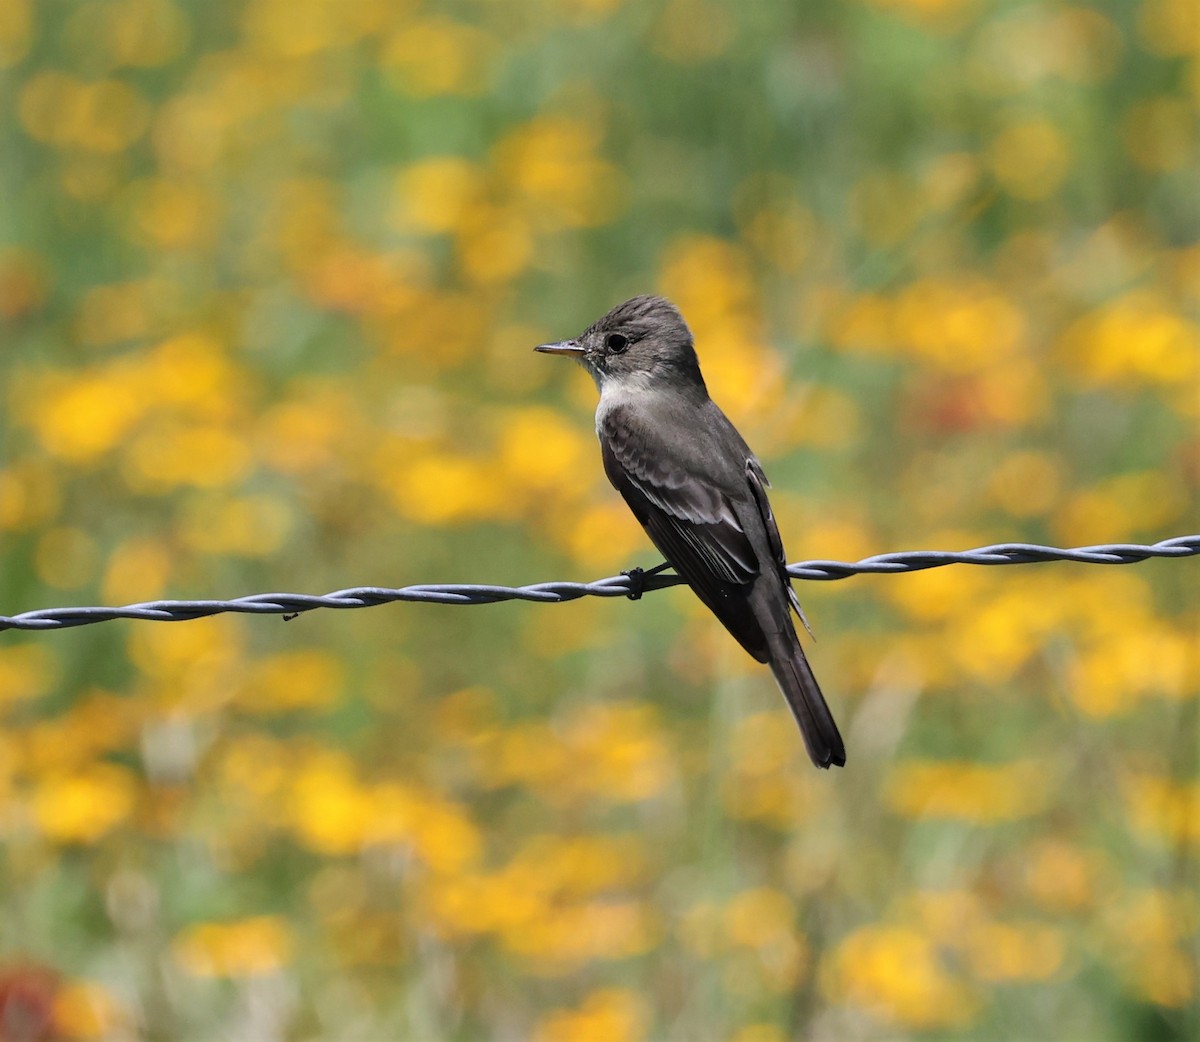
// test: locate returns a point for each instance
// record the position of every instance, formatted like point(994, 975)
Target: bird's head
point(642, 343)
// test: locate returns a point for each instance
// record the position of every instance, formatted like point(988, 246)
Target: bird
point(699, 492)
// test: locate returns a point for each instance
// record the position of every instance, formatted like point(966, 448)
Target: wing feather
point(695, 527)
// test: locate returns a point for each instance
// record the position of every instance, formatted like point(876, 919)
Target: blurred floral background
point(270, 273)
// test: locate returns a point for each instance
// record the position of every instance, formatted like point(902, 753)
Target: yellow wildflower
point(432, 56)
point(85, 1009)
point(248, 947)
point(1031, 159)
point(294, 680)
point(897, 973)
point(16, 30)
point(606, 1015)
point(959, 790)
point(82, 806)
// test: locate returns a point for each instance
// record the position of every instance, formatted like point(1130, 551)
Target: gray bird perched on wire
point(699, 493)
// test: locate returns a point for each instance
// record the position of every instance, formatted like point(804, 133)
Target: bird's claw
point(638, 576)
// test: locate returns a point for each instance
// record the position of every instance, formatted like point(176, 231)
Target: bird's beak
point(563, 347)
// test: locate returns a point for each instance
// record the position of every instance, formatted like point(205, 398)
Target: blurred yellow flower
point(137, 569)
point(138, 33)
point(940, 594)
point(1170, 27)
point(310, 679)
point(347, 278)
point(741, 371)
point(171, 454)
point(763, 917)
point(605, 1015)
point(550, 165)
point(764, 784)
point(991, 640)
point(24, 282)
point(296, 28)
point(84, 416)
point(441, 488)
point(434, 55)
point(835, 535)
point(573, 935)
point(1014, 952)
point(810, 414)
point(863, 323)
point(958, 790)
point(443, 835)
point(1121, 506)
point(710, 280)
point(97, 723)
point(1164, 809)
point(615, 752)
point(1136, 338)
point(1062, 876)
point(237, 526)
point(82, 806)
point(466, 905)
point(252, 769)
point(1027, 45)
point(172, 214)
point(1161, 133)
point(1026, 484)
point(495, 244)
point(763, 743)
point(541, 450)
point(86, 1009)
point(330, 810)
point(16, 30)
point(305, 225)
point(759, 1033)
point(624, 748)
point(958, 324)
point(248, 947)
point(305, 431)
point(436, 194)
point(104, 116)
point(578, 866)
point(1144, 658)
point(1030, 159)
point(599, 536)
point(26, 671)
point(192, 667)
point(898, 974)
point(1152, 937)
point(1014, 394)
point(943, 914)
point(120, 311)
point(29, 495)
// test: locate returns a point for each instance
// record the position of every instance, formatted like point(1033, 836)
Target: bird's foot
point(637, 579)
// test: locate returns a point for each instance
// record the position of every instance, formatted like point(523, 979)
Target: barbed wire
point(628, 584)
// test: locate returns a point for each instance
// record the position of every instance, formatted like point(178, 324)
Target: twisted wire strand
point(628, 584)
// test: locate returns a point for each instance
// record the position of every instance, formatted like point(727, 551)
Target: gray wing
point(758, 486)
point(694, 524)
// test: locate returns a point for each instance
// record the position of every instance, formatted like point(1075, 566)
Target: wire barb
point(623, 585)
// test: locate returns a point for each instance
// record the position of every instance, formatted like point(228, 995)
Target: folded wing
point(693, 524)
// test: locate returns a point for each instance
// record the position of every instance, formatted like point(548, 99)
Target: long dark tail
point(799, 686)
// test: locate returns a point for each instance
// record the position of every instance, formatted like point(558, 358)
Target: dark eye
point(616, 343)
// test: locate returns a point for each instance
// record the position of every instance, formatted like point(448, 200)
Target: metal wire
point(628, 584)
